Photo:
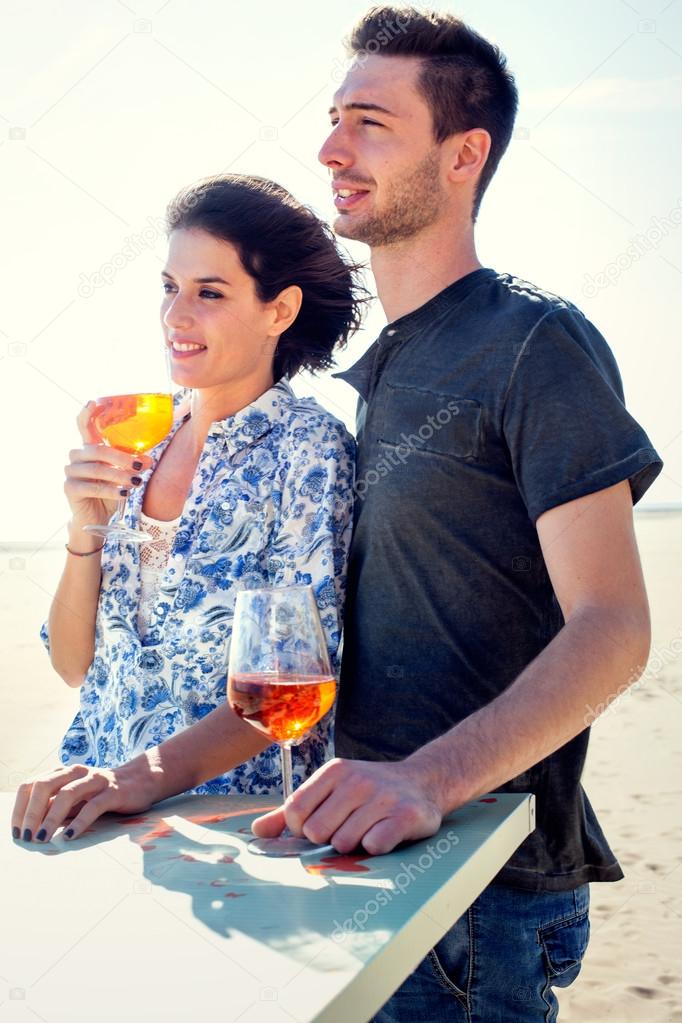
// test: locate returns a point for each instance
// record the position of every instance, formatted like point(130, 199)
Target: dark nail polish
point(123, 492)
point(16, 833)
point(28, 835)
point(68, 833)
point(40, 837)
point(137, 465)
point(136, 480)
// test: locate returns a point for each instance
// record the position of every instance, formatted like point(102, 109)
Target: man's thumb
point(270, 824)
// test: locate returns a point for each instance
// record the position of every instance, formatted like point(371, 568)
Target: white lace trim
point(153, 561)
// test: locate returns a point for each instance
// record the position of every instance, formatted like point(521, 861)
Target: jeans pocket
point(564, 945)
point(452, 959)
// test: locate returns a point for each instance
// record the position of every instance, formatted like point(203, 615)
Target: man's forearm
point(212, 746)
point(585, 666)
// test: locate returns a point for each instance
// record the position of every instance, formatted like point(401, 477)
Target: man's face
point(382, 151)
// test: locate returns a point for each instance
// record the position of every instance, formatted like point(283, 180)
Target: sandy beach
point(632, 972)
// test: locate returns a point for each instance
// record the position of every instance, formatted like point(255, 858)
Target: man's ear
point(468, 154)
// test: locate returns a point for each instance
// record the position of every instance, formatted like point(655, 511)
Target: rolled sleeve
point(566, 426)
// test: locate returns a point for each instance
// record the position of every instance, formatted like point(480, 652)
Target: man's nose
point(335, 151)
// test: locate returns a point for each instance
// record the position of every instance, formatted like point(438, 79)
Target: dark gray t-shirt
point(484, 408)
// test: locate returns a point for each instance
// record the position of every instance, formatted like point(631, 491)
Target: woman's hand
point(97, 474)
point(80, 795)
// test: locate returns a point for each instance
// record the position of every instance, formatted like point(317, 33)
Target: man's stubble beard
point(410, 205)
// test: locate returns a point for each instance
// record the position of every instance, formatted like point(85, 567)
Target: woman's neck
point(210, 404)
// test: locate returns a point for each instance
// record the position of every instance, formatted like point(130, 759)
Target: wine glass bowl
point(280, 679)
point(133, 423)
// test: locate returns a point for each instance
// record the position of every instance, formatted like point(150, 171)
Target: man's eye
point(333, 123)
point(366, 120)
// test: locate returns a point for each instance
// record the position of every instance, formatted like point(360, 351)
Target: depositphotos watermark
point(640, 246)
point(134, 245)
point(409, 443)
point(660, 656)
point(402, 881)
point(388, 31)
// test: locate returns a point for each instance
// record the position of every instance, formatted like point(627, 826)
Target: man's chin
point(346, 227)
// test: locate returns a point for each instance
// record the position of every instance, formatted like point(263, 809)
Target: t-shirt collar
point(359, 375)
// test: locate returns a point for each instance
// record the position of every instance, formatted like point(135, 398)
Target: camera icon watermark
point(142, 26)
point(17, 564)
point(521, 134)
point(646, 26)
point(268, 994)
point(17, 349)
point(268, 133)
point(521, 564)
point(395, 671)
point(16, 133)
point(142, 888)
point(17, 994)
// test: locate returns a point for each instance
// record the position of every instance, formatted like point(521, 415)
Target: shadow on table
point(196, 847)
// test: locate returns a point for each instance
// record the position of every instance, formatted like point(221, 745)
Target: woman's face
point(217, 329)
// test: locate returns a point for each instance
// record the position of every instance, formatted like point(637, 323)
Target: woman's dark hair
point(280, 242)
point(463, 77)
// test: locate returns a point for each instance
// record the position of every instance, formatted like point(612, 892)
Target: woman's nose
point(176, 313)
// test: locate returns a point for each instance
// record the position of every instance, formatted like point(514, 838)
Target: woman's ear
point(286, 307)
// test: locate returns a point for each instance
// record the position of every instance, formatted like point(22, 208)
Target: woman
point(252, 487)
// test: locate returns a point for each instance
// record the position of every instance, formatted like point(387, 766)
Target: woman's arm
point(216, 744)
point(310, 545)
point(71, 621)
point(95, 477)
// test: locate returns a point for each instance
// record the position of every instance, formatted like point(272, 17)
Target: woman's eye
point(167, 287)
point(206, 293)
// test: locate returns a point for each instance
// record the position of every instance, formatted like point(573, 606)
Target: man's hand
point(82, 793)
point(358, 802)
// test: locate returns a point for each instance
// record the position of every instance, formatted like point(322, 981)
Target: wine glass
point(280, 679)
point(131, 423)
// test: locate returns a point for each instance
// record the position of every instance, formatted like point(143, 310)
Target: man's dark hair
point(463, 77)
point(280, 242)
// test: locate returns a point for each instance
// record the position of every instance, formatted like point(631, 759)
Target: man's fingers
point(384, 836)
point(331, 814)
point(313, 792)
point(350, 833)
point(270, 825)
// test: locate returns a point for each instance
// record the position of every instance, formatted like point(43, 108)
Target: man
point(495, 592)
point(495, 589)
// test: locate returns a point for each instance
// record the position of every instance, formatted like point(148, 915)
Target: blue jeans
point(500, 961)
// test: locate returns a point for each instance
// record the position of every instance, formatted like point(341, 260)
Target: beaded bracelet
point(83, 554)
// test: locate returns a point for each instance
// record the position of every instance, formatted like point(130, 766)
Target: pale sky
point(108, 108)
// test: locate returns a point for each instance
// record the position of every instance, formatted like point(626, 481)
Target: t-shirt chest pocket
point(418, 419)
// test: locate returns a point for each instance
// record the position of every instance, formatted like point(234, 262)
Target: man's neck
point(410, 273)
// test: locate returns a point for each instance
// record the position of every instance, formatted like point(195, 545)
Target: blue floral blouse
point(270, 505)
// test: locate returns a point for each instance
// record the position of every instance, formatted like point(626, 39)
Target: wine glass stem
point(287, 780)
point(120, 511)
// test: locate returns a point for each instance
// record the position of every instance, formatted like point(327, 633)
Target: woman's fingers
point(101, 473)
point(77, 794)
point(33, 799)
point(90, 811)
point(84, 422)
point(102, 454)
